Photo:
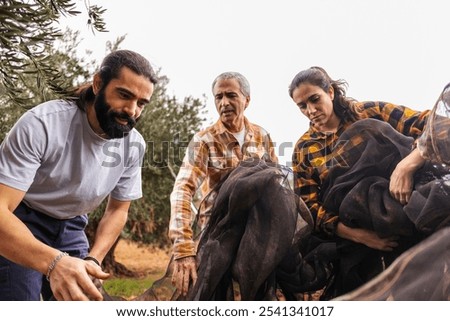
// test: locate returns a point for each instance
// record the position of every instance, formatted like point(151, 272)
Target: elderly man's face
point(230, 103)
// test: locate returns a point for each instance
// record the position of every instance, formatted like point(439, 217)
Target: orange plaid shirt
point(211, 154)
point(314, 149)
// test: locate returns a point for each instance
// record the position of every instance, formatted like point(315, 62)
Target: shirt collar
point(219, 128)
point(315, 133)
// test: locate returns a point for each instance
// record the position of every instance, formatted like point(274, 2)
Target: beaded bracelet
point(53, 263)
point(93, 259)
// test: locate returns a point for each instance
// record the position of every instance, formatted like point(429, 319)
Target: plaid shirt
point(314, 149)
point(211, 154)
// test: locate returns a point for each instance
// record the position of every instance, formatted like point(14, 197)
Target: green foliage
point(8, 116)
point(27, 31)
point(128, 288)
point(74, 69)
point(167, 126)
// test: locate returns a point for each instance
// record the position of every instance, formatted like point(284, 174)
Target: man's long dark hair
point(110, 69)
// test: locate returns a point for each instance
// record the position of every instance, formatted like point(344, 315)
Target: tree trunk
point(109, 264)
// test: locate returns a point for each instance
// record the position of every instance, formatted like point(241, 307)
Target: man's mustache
point(130, 120)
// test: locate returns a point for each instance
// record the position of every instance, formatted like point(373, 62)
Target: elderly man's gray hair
point(243, 82)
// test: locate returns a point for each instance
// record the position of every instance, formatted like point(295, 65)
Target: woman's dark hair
point(343, 106)
point(110, 69)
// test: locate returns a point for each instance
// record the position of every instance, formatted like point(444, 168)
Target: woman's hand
point(401, 184)
point(366, 237)
point(402, 178)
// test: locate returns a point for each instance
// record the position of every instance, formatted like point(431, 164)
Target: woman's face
point(317, 105)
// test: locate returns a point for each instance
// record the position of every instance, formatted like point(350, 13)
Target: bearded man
point(57, 164)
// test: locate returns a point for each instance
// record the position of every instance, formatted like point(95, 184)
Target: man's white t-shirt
point(240, 137)
point(66, 169)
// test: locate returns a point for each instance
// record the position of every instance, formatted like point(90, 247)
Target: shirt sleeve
point(21, 152)
point(192, 173)
point(307, 184)
point(405, 120)
point(270, 148)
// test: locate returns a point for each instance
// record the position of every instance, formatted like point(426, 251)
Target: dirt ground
point(143, 259)
point(151, 261)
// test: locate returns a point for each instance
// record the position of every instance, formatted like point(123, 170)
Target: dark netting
point(358, 189)
point(419, 274)
point(251, 248)
point(434, 144)
point(254, 222)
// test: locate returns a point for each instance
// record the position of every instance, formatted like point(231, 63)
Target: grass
point(128, 288)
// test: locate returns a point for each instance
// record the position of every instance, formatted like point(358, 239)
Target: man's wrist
point(52, 265)
point(93, 259)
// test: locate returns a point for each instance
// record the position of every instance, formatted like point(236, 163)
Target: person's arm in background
point(190, 176)
point(269, 146)
point(366, 237)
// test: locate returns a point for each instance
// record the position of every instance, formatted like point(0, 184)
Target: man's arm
point(189, 178)
point(69, 278)
point(19, 244)
point(191, 175)
point(271, 148)
point(110, 227)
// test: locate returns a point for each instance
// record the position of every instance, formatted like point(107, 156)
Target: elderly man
point(211, 154)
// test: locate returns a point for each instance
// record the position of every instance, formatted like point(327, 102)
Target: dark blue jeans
point(18, 283)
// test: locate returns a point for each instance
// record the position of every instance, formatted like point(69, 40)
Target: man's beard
point(107, 118)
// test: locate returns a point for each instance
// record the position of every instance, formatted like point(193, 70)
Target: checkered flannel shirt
point(211, 154)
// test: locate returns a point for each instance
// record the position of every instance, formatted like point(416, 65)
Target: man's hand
point(184, 270)
point(71, 280)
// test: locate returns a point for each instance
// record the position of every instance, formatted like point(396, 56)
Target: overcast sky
point(392, 50)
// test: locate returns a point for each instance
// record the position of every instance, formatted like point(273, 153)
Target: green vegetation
point(28, 31)
point(128, 288)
